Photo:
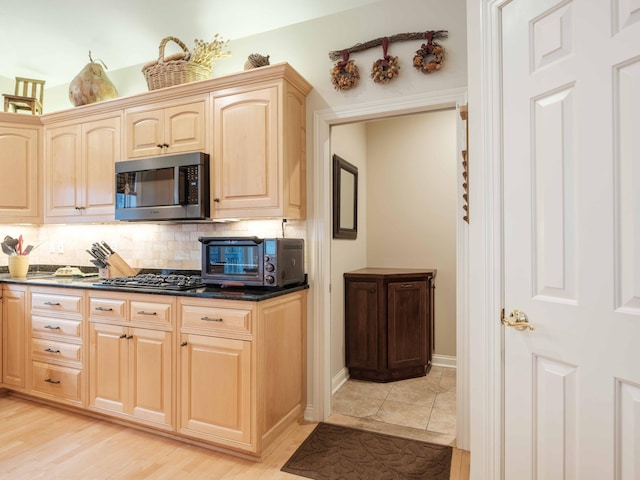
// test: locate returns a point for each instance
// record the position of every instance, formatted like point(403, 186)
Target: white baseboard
point(339, 379)
point(443, 361)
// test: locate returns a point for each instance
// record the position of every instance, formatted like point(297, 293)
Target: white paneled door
point(571, 193)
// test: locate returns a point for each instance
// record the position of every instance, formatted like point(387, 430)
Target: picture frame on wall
point(345, 199)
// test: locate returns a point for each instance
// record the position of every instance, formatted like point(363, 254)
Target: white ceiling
point(50, 39)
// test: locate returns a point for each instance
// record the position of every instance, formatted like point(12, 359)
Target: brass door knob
point(520, 320)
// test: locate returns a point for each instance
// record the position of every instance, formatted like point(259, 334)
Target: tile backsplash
point(142, 245)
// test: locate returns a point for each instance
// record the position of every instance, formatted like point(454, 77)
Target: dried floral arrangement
point(345, 74)
point(205, 53)
point(429, 57)
point(186, 66)
point(386, 68)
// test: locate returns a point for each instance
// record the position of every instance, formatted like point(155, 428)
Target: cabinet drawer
point(62, 382)
point(216, 319)
point(56, 303)
point(56, 326)
point(52, 351)
point(107, 308)
point(150, 312)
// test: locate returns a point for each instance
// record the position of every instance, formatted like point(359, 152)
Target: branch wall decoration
point(428, 58)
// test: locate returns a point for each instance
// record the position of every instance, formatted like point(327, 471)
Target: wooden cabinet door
point(101, 149)
point(108, 367)
point(145, 133)
point(407, 332)
point(362, 324)
point(13, 338)
point(80, 171)
point(63, 171)
point(19, 190)
point(185, 128)
point(215, 380)
point(246, 162)
point(151, 375)
point(169, 130)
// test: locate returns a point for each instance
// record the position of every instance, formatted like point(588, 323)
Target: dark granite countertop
point(45, 277)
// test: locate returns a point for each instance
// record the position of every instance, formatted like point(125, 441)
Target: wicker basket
point(175, 69)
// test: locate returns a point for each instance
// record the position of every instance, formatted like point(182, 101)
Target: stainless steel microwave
point(252, 261)
point(172, 187)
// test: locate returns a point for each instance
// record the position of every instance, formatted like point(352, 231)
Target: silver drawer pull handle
point(52, 327)
point(54, 304)
point(50, 350)
point(207, 319)
point(407, 285)
point(104, 309)
point(142, 312)
point(54, 382)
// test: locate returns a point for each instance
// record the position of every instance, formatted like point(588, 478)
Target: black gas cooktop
point(155, 281)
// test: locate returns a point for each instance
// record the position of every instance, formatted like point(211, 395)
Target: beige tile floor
point(423, 408)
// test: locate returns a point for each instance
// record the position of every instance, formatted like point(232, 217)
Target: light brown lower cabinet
point(215, 389)
point(130, 366)
point(14, 367)
point(242, 369)
point(228, 374)
point(57, 344)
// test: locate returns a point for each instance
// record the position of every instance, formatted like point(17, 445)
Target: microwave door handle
point(177, 184)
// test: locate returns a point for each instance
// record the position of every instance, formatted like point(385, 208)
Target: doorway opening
point(323, 381)
point(407, 207)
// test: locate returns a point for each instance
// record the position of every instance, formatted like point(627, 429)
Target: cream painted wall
point(350, 143)
point(412, 203)
point(306, 45)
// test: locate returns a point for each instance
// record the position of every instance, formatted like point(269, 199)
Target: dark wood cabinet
point(388, 323)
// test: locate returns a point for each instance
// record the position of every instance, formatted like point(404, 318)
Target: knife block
point(118, 267)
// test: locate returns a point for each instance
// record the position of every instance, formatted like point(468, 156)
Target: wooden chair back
point(28, 95)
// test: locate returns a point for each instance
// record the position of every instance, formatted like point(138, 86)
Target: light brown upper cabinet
point(79, 165)
point(21, 182)
point(258, 150)
point(166, 128)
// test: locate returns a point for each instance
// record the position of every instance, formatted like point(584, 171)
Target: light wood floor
point(40, 442)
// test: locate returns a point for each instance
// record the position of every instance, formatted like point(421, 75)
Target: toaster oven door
point(240, 262)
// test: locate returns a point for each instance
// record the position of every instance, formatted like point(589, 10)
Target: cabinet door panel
point(13, 338)
point(185, 128)
point(151, 375)
point(145, 131)
point(216, 389)
point(63, 153)
point(108, 372)
point(407, 324)
point(362, 324)
point(101, 149)
point(19, 191)
point(246, 157)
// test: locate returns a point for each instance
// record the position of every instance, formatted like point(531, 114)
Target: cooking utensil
point(101, 249)
point(97, 261)
point(11, 242)
point(106, 245)
point(99, 255)
point(8, 249)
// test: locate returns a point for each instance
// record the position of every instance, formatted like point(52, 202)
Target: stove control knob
point(267, 258)
point(269, 279)
point(269, 267)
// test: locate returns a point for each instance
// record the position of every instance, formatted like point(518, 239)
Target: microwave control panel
point(191, 177)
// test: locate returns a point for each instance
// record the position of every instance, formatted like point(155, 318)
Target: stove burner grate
point(155, 281)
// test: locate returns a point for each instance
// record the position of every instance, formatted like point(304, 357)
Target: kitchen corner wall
point(142, 245)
